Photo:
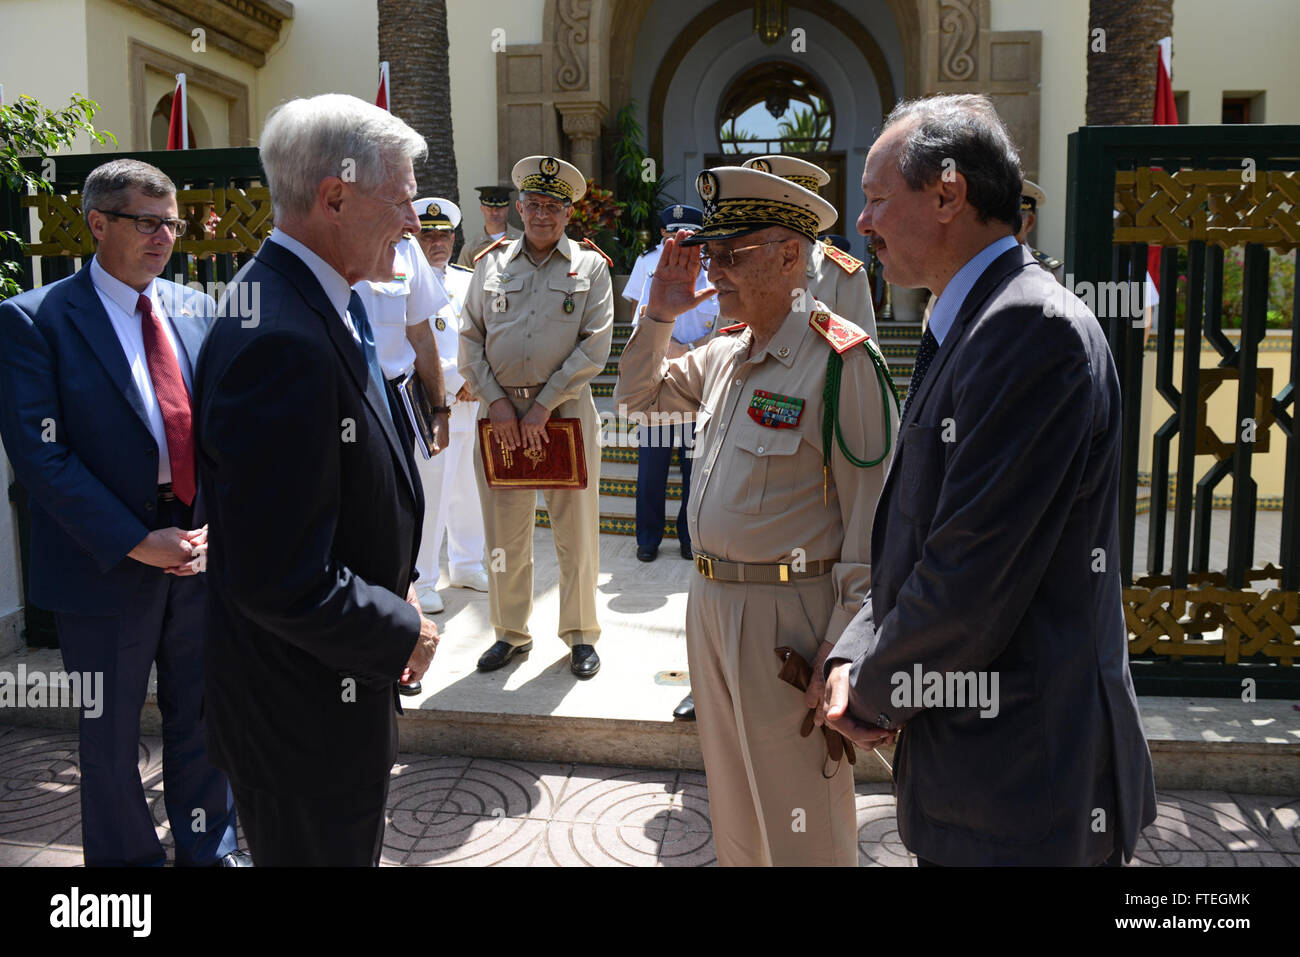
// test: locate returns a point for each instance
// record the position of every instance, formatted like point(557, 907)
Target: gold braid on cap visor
point(549, 185)
point(729, 214)
point(807, 182)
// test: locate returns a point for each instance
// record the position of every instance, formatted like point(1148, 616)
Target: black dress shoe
point(409, 690)
point(686, 710)
point(233, 859)
point(583, 661)
point(646, 553)
point(500, 654)
point(686, 551)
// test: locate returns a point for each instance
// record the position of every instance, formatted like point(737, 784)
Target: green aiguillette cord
point(831, 414)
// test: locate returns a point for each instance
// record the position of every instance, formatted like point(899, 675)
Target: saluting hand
point(672, 288)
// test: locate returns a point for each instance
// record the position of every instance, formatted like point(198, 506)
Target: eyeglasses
point(149, 224)
point(536, 209)
point(727, 257)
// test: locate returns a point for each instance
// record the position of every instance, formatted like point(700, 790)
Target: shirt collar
point(815, 259)
point(945, 310)
point(118, 292)
point(789, 336)
point(566, 247)
point(336, 288)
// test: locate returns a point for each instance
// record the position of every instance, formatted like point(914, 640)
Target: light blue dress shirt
point(949, 304)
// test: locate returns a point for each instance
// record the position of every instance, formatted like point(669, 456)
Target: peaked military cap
point(1031, 196)
point(680, 216)
point(549, 176)
point(739, 201)
point(437, 213)
point(800, 172)
point(494, 195)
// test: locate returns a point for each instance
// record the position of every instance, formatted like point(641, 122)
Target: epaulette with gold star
point(603, 255)
point(840, 333)
point(1044, 260)
point(842, 259)
point(503, 239)
point(732, 330)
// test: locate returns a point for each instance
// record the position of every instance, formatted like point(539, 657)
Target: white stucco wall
point(470, 26)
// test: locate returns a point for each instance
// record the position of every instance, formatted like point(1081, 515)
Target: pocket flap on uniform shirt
point(570, 284)
point(494, 284)
point(764, 442)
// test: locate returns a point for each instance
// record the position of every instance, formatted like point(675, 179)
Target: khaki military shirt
point(845, 294)
point(481, 242)
point(756, 491)
point(517, 330)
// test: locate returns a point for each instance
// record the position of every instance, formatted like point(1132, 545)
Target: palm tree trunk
point(1122, 76)
point(413, 39)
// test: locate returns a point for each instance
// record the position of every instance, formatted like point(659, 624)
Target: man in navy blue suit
point(95, 412)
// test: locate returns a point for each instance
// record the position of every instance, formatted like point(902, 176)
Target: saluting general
point(539, 324)
point(795, 418)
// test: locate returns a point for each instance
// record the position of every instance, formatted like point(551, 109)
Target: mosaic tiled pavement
point(478, 811)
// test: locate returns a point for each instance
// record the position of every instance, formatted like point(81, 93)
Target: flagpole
point(185, 112)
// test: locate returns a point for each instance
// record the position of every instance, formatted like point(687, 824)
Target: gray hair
point(107, 186)
point(965, 130)
point(307, 140)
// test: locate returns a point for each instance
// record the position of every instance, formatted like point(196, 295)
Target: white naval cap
point(549, 176)
point(437, 213)
point(740, 200)
point(800, 172)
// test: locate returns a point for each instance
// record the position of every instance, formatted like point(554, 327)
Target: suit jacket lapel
point(190, 325)
point(991, 279)
point(86, 312)
point(296, 271)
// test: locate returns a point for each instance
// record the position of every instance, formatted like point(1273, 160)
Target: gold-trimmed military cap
point(437, 213)
point(800, 172)
point(739, 201)
point(549, 176)
point(494, 196)
point(1031, 196)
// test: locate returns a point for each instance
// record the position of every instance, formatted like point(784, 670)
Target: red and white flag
point(1166, 114)
point(381, 98)
point(178, 130)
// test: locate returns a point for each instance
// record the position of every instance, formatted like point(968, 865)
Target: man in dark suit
point(95, 380)
point(993, 636)
point(313, 501)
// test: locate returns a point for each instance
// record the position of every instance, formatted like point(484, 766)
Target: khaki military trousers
point(509, 516)
point(769, 801)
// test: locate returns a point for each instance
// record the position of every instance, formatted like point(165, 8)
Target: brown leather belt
point(523, 391)
point(715, 569)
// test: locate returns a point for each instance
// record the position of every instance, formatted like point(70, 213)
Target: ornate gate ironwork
point(1194, 192)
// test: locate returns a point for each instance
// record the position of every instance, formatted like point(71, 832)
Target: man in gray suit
point(993, 636)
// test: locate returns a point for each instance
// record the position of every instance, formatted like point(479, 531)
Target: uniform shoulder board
point(603, 255)
point(503, 239)
point(1044, 260)
point(732, 330)
point(460, 267)
point(840, 333)
point(842, 259)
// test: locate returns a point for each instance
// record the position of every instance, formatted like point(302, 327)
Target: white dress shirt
point(413, 295)
point(120, 302)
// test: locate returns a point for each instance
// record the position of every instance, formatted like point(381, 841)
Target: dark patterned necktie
point(359, 319)
point(929, 346)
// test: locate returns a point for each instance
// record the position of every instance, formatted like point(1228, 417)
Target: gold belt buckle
point(704, 565)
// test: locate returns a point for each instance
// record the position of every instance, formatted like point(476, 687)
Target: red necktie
point(173, 400)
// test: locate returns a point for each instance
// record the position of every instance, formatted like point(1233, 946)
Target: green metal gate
point(1198, 626)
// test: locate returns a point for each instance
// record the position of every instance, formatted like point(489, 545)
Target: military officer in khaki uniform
point(494, 204)
point(833, 277)
point(1032, 196)
point(539, 324)
point(781, 509)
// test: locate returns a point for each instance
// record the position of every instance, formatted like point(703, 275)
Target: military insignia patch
point(774, 410)
point(840, 333)
point(434, 210)
point(440, 324)
point(706, 184)
point(678, 212)
point(762, 165)
point(549, 166)
point(842, 259)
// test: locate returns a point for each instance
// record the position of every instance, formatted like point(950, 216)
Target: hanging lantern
point(771, 20)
